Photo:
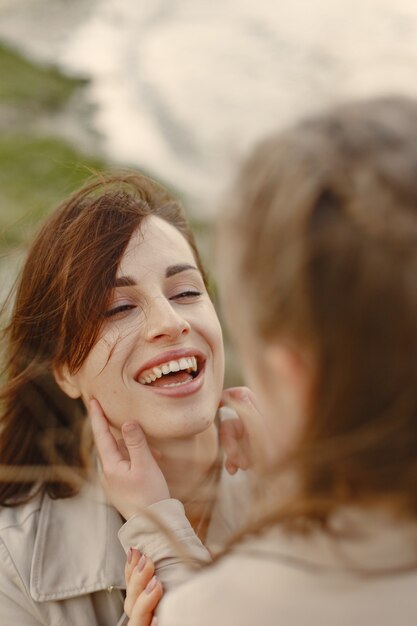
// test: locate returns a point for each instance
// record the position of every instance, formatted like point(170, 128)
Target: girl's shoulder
point(265, 578)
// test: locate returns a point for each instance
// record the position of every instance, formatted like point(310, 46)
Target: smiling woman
point(112, 311)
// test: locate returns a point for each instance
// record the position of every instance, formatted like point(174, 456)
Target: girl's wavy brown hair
point(323, 222)
point(58, 309)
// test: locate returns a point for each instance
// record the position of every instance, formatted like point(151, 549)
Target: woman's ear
point(66, 381)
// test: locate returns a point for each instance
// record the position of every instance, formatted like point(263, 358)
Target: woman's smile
point(173, 369)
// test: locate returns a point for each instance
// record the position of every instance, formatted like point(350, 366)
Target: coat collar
point(76, 549)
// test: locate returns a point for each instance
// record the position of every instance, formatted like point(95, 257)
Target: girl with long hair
point(318, 250)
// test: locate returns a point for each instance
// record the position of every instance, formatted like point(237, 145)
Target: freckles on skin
point(102, 353)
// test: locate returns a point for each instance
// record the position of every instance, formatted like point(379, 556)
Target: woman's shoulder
point(38, 536)
point(13, 518)
point(18, 530)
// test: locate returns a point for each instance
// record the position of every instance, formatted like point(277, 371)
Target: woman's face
point(159, 358)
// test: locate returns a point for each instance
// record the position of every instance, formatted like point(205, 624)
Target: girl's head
point(111, 304)
point(321, 244)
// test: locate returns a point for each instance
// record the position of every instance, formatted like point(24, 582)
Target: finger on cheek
point(96, 414)
point(231, 468)
point(235, 393)
point(123, 449)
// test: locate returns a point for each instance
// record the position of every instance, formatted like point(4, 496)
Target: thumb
point(136, 443)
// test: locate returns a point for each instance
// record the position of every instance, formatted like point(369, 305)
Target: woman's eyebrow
point(176, 269)
point(124, 281)
point(129, 281)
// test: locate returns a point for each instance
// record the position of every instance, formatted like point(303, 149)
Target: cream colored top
point(283, 581)
point(61, 563)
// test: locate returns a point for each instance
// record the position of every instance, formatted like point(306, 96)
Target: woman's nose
point(163, 321)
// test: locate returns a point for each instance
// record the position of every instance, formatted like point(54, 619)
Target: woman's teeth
point(188, 364)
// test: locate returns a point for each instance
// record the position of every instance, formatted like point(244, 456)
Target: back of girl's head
point(58, 311)
point(324, 227)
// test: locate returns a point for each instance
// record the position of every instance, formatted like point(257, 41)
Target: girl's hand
point(240, 420)
point(131, 477)
point(143, 589)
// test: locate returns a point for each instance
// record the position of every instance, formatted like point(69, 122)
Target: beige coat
point(61, 562)
point(278, 581)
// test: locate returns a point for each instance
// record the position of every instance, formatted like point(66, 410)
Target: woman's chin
point(186, 430)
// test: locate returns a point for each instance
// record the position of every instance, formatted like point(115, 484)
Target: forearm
point(172, 544)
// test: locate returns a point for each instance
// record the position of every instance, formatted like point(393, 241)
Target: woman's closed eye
point(120, 308)
point(187, 295)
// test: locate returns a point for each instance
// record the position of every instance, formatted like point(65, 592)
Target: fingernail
point(232, 469)
point(151, 584)
point(129, 426)
point(129, 555)
point(154, 622)
point(227, 413)
point(142, 563)
point(239, 394)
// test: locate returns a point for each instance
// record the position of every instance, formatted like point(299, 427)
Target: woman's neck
point(189, 466)
point(187, 463)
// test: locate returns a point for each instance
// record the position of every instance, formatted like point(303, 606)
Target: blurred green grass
point(32, 86)
point(37, 169)
point(36, 173)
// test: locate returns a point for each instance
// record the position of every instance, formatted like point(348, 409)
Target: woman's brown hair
point(323, 221)
point(58, 309)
